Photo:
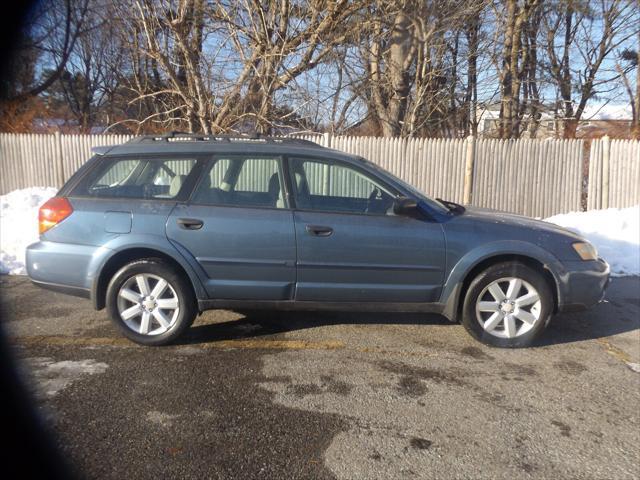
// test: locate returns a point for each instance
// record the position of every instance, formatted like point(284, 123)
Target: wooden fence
point(614, 174)
point(532, 177)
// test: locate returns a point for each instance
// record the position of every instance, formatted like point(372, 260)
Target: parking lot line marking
point(64, 340)
point(277, 344)
point(246, 344)
point(123, 342)
point(614, 351)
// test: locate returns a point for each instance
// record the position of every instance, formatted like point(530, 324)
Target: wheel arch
point(465, 271)
point(122, 257)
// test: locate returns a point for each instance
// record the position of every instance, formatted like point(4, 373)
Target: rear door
point(238, 228)
point(351, 247)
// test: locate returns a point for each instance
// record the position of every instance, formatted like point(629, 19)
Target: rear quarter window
point(136, 178)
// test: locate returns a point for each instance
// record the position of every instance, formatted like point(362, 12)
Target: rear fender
point(150, 242)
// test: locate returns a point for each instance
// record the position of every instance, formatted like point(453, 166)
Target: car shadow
point(620, 313)
point(612, 317)
point(274, 324)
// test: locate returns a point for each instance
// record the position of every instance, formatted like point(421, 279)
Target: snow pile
point(19, 225)
point(615, 232)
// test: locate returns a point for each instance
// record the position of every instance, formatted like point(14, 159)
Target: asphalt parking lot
point(339, 395)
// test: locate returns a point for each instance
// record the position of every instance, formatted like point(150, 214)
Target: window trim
point(211, 159)
point(395, 191)
point(185, 190)
point(85, 169)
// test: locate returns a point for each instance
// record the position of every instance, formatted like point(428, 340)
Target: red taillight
point(53, 212)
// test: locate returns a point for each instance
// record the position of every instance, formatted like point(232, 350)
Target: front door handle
point(319, 230)
point(190, 223)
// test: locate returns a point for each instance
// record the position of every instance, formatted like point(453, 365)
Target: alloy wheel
point(508, 307)
point(148, 304)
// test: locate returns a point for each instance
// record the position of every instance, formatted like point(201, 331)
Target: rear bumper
point(583, 285)
point(75, 291)
point(63, 267)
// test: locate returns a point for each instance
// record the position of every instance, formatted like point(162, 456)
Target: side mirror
point(404, 206)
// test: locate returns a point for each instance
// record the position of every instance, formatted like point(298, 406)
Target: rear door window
point(240, 181)
point(137, 178)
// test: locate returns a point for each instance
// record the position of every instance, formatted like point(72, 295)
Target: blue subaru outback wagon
point(161, 228)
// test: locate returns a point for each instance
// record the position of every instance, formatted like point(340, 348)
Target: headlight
point(585, 250)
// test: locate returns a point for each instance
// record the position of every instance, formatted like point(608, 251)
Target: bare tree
point(471, 30)
point(411, 53)
point(52, 33)
point(390, 56)
point(260, 48)
point(591, 31)
point(515, 63)
point(91, 77)
point(383, 67)
point(628, 62)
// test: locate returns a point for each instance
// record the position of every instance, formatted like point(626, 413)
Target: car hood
point(487, 215)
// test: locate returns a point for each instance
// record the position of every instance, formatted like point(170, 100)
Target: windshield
point(432, 202)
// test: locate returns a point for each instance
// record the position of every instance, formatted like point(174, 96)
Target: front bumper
point(583, 284)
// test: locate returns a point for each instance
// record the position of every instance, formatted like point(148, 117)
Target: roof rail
point(215, 138)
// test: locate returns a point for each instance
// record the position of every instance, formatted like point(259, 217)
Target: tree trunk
point(636, 125)
point(471, 94)
point(569, 127)
point(514, 61)
point(531, 76)
point(398, 51)
point(507, 100)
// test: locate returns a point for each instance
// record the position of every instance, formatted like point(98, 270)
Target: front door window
point(330, 186)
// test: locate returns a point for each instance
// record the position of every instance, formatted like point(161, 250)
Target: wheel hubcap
point(148, 304)
point(508, 307)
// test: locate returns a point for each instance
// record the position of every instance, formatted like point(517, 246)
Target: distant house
point(597, 121)
point(62, 125)
point(97, 130)
point(49, 125)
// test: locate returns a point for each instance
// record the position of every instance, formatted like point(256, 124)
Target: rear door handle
point(319, 230)
point(190, 223)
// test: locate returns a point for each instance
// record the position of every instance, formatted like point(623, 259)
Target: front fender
point(451, 291)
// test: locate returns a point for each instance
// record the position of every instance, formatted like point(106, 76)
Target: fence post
point(326, 139)
point(60, 158)
point(606, 154)
point(468, 169)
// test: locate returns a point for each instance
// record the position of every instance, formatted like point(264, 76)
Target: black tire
point(497, 272)
point(157, 267)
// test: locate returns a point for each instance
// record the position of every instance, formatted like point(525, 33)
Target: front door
point(238, 229)
point(351, 247)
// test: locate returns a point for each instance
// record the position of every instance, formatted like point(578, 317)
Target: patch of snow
point(19, 225)
point(51, 377)
point(162, 419)
point(615, 232)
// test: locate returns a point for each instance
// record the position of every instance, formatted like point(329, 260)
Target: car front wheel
point(508, 305)
point(150, 302)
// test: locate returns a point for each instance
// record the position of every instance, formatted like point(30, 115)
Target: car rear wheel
point(150, 302)
point(508, 305)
